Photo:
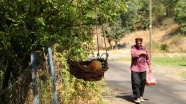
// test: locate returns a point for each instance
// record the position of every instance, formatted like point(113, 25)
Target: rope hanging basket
point(81, 70)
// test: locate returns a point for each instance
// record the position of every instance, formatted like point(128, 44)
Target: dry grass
point(162, 37)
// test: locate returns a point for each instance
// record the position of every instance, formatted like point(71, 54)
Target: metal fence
point(37, 84)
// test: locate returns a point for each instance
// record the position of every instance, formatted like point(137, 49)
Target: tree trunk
point(110, 44)
point(5, 81)
point(116, 44)
point(167, 12)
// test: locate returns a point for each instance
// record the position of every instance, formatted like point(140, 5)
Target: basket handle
point(107, 55)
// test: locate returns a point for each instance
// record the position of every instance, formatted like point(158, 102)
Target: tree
point(169, 6)
point(180, 15)
point(129, 18)
point(143, 14)
point(31, 25)
point(115, 31)
point(124, 24)
point(163, 11)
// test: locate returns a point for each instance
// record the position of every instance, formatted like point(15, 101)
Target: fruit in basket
point(95, 64)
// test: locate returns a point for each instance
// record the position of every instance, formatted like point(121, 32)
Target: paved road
point(167, 91)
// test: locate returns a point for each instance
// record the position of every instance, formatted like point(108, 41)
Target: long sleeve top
point(139, 62)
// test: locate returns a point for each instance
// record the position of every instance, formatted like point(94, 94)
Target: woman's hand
point(142, 53)
point(150, 70)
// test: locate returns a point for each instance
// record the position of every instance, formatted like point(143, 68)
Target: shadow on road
point(127, 97)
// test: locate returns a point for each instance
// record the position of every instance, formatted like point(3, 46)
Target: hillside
point(164, 40)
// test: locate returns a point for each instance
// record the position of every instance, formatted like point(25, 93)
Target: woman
point(140, 60)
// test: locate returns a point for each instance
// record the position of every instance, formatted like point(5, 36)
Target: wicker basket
point(80, 70)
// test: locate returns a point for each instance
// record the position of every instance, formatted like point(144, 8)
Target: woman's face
point(139, 43)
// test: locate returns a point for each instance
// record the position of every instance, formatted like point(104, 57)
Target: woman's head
point(139, 42)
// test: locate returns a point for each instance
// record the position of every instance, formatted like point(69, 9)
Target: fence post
point(53, 77)
point(33, 64)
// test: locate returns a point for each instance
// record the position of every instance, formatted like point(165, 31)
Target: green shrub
point(180, 15)
point(164, 47)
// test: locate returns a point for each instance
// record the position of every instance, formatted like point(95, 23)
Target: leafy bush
point(158, 47)
point(164, 47)
point(180, 15)
point(35, 25)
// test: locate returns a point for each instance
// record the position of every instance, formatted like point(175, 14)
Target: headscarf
point(138, 39)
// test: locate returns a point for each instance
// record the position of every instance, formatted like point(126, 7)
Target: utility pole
point(150, 27)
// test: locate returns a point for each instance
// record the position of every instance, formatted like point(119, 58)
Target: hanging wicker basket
point(80, 70)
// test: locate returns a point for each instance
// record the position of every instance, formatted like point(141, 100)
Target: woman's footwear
point(137, 100)
point(141, 99)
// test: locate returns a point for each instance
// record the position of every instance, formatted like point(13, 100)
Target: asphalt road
point(167, 90)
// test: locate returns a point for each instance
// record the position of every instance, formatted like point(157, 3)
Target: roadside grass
point(171, 61)
point(159, 58)
point(163, 60)
point(183, 75)
point(178, 62)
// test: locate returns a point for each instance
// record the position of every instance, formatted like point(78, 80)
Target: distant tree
point(169, 6)
point(129, 18)
point(163, 11)
point(124, 24)
point(180, 15)
point(115, 31)
point(158, 12)
point(143, 15)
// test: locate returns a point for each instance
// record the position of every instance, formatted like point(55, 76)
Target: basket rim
point(80, 72)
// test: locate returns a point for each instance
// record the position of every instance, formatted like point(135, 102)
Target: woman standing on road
point(140, 58)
